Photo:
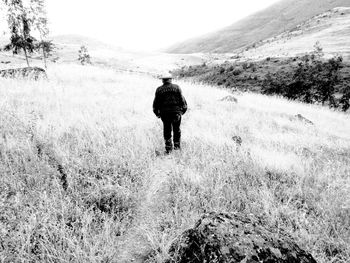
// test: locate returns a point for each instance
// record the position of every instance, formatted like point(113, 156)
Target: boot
point(168, 146)
point(177, 146)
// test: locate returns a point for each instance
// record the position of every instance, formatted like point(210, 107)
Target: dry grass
point(92, 132)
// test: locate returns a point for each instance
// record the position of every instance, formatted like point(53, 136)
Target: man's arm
point(184, 104)
point(155, 106)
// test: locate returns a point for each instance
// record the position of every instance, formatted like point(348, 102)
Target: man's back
point(169, 98)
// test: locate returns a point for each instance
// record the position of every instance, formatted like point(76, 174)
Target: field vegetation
point(82, 179)
point(309, 78)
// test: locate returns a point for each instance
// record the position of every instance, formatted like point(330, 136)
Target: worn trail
point(138, 243)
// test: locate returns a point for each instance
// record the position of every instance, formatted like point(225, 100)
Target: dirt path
point(137, 244)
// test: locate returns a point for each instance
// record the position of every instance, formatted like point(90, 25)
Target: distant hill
point(112, 56)
point(102, 54)
point(67, 48)
point(78, 40)
point(71, 40)
point(267, 23)
point(331, 29)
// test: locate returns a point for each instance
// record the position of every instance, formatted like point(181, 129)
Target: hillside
point(83, 180)
point(282, 16)
point(331, 29)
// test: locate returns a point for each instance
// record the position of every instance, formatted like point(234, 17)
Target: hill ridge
point(259, 26)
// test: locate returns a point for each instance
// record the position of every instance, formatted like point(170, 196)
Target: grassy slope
point(123, 202)
point(331, 29)
point(270, 22)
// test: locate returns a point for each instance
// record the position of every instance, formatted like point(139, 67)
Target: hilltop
point(276, 19)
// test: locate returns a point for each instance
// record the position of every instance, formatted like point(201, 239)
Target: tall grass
point(81, 180)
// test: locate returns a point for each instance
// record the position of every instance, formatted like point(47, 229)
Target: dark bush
point(311, 81)
point(310, 78)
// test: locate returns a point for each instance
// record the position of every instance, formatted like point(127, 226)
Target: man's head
point(166, 81)
point(166, 78)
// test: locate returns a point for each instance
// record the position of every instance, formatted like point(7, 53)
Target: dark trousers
point(171, 123)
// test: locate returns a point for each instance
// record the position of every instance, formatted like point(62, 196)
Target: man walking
point(169, 104)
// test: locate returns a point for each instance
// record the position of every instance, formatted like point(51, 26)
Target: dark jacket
point(168, 99)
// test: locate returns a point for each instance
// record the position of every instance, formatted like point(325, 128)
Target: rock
point(303, 119)
point(27, 72)
point(238, 140)
point(229, 98)
point(236, 237)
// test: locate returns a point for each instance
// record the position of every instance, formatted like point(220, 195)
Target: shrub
point(313, 80)
point(84, 56)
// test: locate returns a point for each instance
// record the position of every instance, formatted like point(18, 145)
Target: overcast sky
point(146, 24)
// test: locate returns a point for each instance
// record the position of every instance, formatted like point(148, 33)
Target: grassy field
point(81, 180)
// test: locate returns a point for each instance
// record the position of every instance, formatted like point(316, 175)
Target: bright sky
point(146, 24)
